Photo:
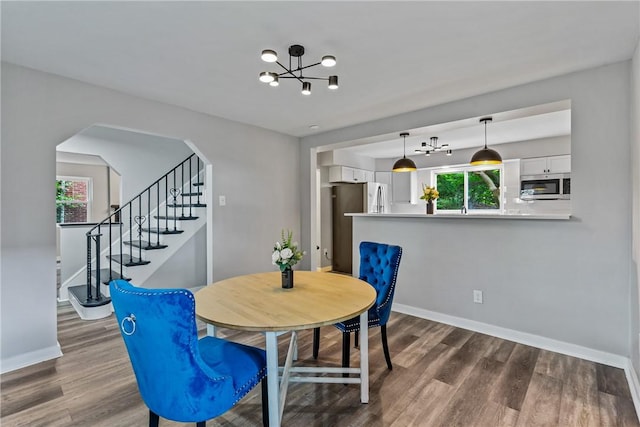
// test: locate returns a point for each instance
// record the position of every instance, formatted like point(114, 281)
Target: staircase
point(135, 240)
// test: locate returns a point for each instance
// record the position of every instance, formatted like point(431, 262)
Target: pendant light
point(486, 156)
point(404, 164)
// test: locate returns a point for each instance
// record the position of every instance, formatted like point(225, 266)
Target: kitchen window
point(469, 189)
point(73, 197)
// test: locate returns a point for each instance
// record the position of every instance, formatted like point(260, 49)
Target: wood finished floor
point(442, 376)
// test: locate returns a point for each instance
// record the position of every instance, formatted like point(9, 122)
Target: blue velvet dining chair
point(180, 377)
point(379, 264)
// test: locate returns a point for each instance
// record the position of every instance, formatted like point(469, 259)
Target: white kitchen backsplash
point(535, 207)
point(404, 208)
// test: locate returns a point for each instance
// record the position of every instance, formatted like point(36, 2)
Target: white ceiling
point(393, 57)
point(536, 122)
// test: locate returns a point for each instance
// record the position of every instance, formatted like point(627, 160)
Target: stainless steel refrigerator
point(370, 197)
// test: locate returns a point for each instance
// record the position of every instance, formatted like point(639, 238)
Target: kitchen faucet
point(463, 210)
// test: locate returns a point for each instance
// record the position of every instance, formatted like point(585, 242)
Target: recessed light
point(314, 127)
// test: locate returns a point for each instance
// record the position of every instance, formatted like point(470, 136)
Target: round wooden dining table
point(257, 302)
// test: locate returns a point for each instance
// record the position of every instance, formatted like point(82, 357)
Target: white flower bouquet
point(285, 253)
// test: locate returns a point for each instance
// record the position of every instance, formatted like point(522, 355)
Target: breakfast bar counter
point(464, 216)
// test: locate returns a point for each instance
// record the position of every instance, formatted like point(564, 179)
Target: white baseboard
point(538, 341)
point(31, 358)
point(90, 313)
point(561, 347)
point(634, 385)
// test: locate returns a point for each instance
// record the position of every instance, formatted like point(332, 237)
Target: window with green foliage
point(473, 188)
point(451, 188)
point(72, 199)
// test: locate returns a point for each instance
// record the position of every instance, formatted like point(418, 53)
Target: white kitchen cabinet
point(359, 175)
point(560, 164)
point(348, 174)
point(383, 178)
point(370, 176)
point(403, 187)
point(543, 165)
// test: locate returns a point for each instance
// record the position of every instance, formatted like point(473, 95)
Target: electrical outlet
point(477, 296)
point(222, 201)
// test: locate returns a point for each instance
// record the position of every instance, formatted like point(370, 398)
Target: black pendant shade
point(486, 156)
point(404, 164)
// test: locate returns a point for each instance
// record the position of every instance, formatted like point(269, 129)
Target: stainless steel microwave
point(545, 187)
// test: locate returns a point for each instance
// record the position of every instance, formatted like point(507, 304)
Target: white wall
point(563, 280)
point(40, 110)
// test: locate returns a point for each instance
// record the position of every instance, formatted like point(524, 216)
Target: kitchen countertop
point(464, 216)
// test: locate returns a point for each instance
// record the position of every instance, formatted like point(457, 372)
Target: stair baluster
point(198, 169)
point(191, 188)
point(182, 187)
point(159, 220)
point(130, 234)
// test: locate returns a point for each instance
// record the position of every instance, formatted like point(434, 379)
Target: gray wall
point(139, 158)
point(187, 268)
point(634, 293)
point(564, 280)
point(41, 110)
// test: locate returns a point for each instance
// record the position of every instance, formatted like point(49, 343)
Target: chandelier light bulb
point(275, 81)
point(306, 88)
point(328, 61)
point(333, 82)
point(266, 77)
point(269, 55)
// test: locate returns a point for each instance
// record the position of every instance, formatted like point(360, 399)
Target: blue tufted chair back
point(159, 330)
point(379, 264)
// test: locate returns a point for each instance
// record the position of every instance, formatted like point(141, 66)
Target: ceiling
point(526, 124)
point(393, 57)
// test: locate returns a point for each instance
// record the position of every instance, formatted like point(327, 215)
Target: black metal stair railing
point(168, 202)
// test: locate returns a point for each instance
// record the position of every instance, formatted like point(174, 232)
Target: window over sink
point(469, 189)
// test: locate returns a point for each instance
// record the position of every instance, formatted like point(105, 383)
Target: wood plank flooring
point(442, 376)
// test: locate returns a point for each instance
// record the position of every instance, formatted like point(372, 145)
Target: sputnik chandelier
point(296, 51)
point(432, 147)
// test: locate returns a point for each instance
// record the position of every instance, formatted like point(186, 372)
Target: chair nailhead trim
point(192, 312)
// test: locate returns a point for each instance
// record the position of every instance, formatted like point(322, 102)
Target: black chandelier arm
point(291, 71)
point(288, 71)
point(300, 68)
point(301, 78)
point(296, 52)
